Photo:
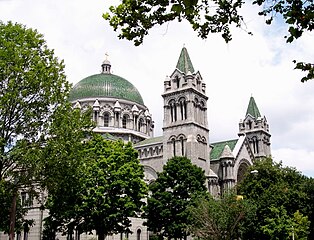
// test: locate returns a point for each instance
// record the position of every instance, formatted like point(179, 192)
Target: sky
point(259, 66)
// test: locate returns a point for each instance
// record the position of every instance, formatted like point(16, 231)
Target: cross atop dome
point(106, 65)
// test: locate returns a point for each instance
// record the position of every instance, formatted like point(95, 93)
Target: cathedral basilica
point(120, 113)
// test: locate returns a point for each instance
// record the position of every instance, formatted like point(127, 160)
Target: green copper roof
point(105, 85)
point(252, 109)
point(184, 63)
point(149, 141)
point(219, 147)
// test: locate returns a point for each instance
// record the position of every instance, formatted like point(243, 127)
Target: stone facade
point(120, 113)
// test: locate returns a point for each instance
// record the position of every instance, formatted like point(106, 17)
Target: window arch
point(182, 146)
point(138, 234)
point(255, 145)
point(141, 125)
point(182, 104)
point(106, 119)
point(173, 146)
point(173, 110)
point(125, 119)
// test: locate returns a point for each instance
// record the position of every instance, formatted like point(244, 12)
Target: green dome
point(105, 85)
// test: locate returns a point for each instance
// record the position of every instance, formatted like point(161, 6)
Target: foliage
point(135, 18)
point(105, 189)
point(280, 226)
point(220, 219)
point(176, 188)
point(6, 196)
point(61, 166)
point(272, 188)
point(113, 186)
point(32, 86)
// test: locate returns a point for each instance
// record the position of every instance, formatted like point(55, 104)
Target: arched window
point(173, 111)
point(177, 80)
point(141, 125)
point(96, 117)
point(138, 234)
point(255, 145)
point(182, 146)
point(183, 109)
point(106, 120)
point(173, 146)
point(124, 121)
point(250, 124)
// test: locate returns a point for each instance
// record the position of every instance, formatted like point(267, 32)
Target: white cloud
point(301, 159)
point(260, 65)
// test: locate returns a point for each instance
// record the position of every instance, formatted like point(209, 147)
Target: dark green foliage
point(176, 188)
point(220, 218)
point(32, 86)
point(135, 18)
point(6, 196)
point(104, 187)
point(275, 189)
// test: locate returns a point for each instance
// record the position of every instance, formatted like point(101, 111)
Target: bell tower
point(256, 129)
point(185, 126)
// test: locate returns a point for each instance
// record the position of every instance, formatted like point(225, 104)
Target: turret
point(256, 129)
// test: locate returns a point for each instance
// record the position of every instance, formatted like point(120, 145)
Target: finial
point(106, 66)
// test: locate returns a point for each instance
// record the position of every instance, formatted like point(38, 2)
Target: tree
point(280, 226)
point(176, 188)
point(62, 160)
point(109, 189)
point(135, 18)
point(221, 218)
point(274, 188)
point(32, 86)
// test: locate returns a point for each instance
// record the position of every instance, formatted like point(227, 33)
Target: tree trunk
point(101, 234)
point(12, 216)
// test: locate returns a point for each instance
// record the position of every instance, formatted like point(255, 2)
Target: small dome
point(105, 85)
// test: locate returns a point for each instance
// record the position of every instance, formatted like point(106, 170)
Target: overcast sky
point(259, 65)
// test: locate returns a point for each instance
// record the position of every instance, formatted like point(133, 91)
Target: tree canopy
point(134, 18)
point(32, 86)
point(281, 194)
point(106, 189)
point(175, 189)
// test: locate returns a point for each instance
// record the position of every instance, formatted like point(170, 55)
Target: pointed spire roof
point(252, 109)
point(184, 63)
point(226, 153)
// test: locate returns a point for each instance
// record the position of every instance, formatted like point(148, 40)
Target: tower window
point(174, 146)
point(106, 120)
point(255, 145)
point(250, 124)
point(177, 80)
point(183, 109)
point(182, 146)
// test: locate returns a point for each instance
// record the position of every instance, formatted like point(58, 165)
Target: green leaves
point(278, 193)
point(104, 185)
point(221, 218)
point(32, 86)
point(135, 18)
point(175, 189)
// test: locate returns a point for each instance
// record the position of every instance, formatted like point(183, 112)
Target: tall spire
point(252, 109)
point(184, 63)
